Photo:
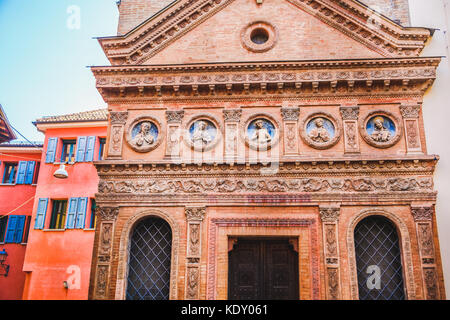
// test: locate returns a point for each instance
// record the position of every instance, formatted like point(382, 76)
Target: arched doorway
point(149, 262)
point(378, 260)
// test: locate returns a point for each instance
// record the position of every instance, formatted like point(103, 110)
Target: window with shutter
point(22, 171)
point(41, 213)
point(90, 147)
point(31, 165)
point(81, 149)
point(58, 218)
point(81, 213)
point(10, 172)
point(11, 229)
point(3, 223)
point(20, 225)
point(71, 214)
point(51, 150)
point(68, 151)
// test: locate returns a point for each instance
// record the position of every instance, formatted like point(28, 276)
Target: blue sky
point(44, 55)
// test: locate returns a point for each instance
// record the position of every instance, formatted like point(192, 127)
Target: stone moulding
point(210, 81)
point(347, 16)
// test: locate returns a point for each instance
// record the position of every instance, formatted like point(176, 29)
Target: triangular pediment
point(202, 31)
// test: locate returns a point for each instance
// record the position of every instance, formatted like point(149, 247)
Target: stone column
point(410, 115)
point(330, 219)
point(232, 119)
point(423, 216)
point(194, 218)
point(290, 125)
point(174, 120)
point(107, 220)
point(117, 120)
point(350, 117)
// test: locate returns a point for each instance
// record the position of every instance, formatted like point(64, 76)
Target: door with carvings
point(263, 270)
point(149, 264)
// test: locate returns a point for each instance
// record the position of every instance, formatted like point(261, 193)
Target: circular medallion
point(144, 134)
point(381, 129)
point(261, 132)
point(259, 36)
point(202, 133)
point(321, 131)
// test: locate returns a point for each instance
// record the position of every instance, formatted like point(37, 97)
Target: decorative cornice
point(290, 114)
point(108, 213)
point(195, 214)
point(391, 76)
point(232, 115)
point(174, 116)
point(350, 113)
point(422, 213)
point(329, 214)
point(347, 16)
point(410, 111)
point(118, 117)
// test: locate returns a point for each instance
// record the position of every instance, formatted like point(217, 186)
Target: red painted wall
point(11, 198)
point(55, 256)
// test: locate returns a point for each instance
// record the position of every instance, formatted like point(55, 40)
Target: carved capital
point(108, 213)
point(410, 111)
point(232, 115)
point(195, 214)
point(350, 113)
point(330, 214)
point(422, 213)
point(290, 114)
point(118, 117)
point(174, 116)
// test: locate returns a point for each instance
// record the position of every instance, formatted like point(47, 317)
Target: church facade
point(265, 149)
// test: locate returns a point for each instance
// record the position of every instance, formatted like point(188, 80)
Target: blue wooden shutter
point(11, 229)
point(90, 149)
point(21, 172)
point(30, 172)
point(40, 214)
point(71, 213)
point(81, 213)
point(18, 233)
point(81, 149)
point(51, 150)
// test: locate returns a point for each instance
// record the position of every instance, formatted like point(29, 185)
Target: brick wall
point(134, 12)
point(397, 10)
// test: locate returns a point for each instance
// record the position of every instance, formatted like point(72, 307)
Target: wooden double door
point(263, 269)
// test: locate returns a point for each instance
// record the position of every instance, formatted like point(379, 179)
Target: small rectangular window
point(68, 151)
point(36, 173)
point(3, 223)
point(102, 148)
point(26, 231)
point(58, 218)
point(9, 175)
point(93, 223)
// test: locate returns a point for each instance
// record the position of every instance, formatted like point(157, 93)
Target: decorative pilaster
point(174, 120)
point(118, 120)
point(194, 218)
point(232, 118)
point(290, 124)
point(107, 218)
point(410, 115)
point(423, 216)
point(350, 117)
point(330, 219)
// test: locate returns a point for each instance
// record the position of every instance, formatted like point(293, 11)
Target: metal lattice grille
point(380, 273)
point(150, 257)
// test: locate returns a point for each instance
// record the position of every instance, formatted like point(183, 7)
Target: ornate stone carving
point(192, 285)
point(290, 114)
point(108, 213)
point(195, 214)
point(203, 132)
point(381, 129)
point(412, 134)
point(105, 245)
point(245, 185)
point(321, 130)
point(329, 214)
point(351, 138)
point(430, 277)
point(333, 283)
point(261, 132)
point(102, 281)
point(350, 113)
point(330, 237)
point(194, 239)
point(232, 115)
point(175, 116)
point(410, 111)
point(145, 133)
point(422, 213)
point(426, 239)
point(118, 117)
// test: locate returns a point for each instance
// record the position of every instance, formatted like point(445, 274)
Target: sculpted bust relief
point(144, 136)
point(261, 135)
point(201, 136)
point(380, 132)
point(319, 133)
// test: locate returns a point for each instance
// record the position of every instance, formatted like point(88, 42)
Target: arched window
point(149, 254)
point(378, 260)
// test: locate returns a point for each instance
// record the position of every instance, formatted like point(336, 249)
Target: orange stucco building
point(58, 257)
point(266, 149)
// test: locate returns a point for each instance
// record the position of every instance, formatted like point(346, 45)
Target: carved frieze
point(330, 214)
point(174, 116)
point(350, 113)
point(118, 117)
point(410, 111)
point(232, 115)
point(422, 213)
point(290, 114)
point(195, 214)
point(108, 213)
point(192, 283)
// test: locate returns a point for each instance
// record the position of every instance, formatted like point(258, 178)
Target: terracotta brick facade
point(269, 139)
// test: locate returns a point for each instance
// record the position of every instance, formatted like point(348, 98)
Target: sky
point(45, 48)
